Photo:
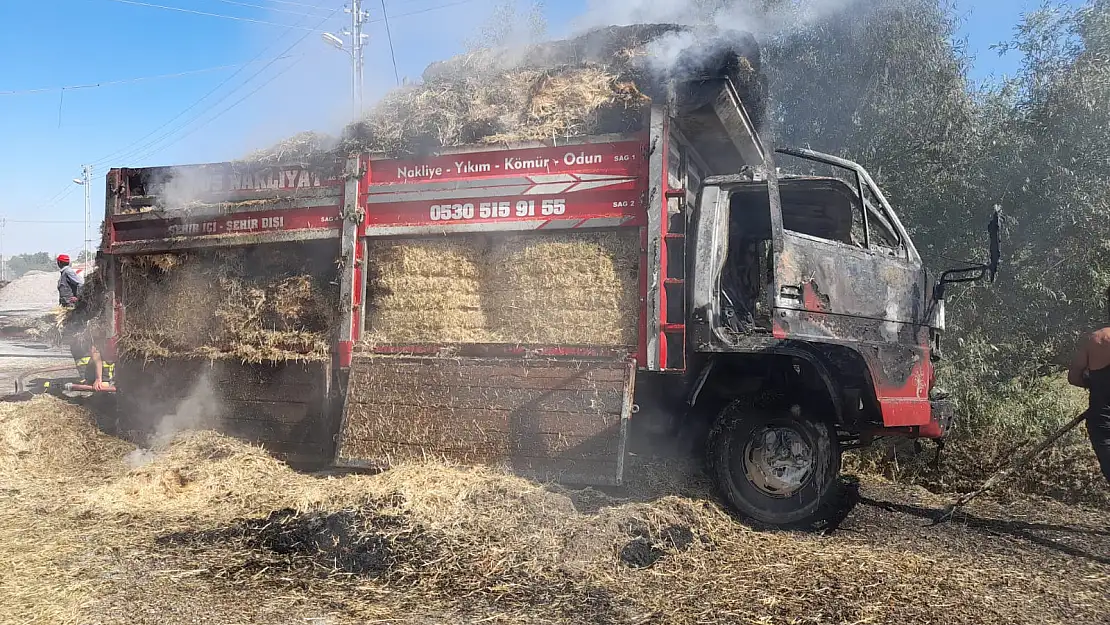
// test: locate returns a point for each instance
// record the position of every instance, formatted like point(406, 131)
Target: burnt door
point(848, 274)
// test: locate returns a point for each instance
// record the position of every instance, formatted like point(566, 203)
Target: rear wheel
point(777, 467)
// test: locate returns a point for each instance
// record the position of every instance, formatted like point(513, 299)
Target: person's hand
point(99, 385)
point(72, 300)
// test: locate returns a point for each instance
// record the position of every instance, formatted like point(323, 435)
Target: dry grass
point(304, 146)
point(576, 288)
point(254, 305)
point(214, 530)
point(511, 105)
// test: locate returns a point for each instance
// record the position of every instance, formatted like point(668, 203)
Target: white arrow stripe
point(549, 189)
point(443, 196)
point(383, 231)
point(603, 222)
point(445, 185)
point(545, 178)
point(598, 184)
point(556, 224)
point(605, 177)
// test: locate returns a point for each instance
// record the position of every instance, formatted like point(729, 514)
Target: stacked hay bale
point(580, 288)
point(565, 289)
point(574, 288)
point(427, 291)
point(249, 304)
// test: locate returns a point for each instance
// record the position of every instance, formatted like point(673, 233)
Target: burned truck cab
point(815, 322)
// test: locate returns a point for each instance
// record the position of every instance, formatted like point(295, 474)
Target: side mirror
point(996, 245)
point(976, 273)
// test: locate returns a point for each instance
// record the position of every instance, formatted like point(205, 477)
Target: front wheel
point(779, 468)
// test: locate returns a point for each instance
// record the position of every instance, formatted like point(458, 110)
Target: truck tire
point(777, 467)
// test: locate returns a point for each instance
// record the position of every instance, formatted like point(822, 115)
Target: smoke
point(756, 17)
point(764, 20)
point(184, 185)
point(200, 410)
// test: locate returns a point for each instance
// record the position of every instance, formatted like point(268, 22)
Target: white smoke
point(754, 17)
point(182, 186)
point(198, 411)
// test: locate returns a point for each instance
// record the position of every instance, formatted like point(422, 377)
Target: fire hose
point(24, 392)
point(1020, 462)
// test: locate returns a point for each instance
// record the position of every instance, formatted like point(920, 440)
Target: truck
point(789, 314)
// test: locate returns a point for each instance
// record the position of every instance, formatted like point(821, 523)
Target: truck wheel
point(778, 468)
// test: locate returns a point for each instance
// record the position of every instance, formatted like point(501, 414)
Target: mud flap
point(551, 419)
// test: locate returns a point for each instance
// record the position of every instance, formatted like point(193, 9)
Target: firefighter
point(69, 282)
point(90, 364)
point(1090, 369)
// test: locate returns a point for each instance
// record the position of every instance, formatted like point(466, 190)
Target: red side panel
point(323, 218)
point(590, 185)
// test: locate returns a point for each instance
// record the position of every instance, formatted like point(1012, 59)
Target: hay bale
point(252, 304)
point(579, 288)
point(427, 290)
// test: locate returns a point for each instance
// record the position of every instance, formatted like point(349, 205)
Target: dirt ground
point(210, 530)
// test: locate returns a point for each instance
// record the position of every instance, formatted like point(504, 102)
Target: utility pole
point(86, 181)
point(358, 17)
point(3, 265)
point(358, 41)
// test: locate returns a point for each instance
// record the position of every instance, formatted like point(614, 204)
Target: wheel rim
point(777, 461)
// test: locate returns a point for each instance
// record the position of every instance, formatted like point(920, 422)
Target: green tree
point(22, 263)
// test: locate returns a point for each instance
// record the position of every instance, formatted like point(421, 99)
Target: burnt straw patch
point(646, 548)
point(340, 551)
point(363, 542)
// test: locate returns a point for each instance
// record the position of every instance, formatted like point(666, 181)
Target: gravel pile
point(33, 291)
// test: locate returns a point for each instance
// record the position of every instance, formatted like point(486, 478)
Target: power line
point(144, 149)
point(123, 81)
point(233, 105)
point(427, 10)
point(57, 197)
point(139, 153)
point(389, 38)
point(269, 8)
point(207, 14)
point(139, 145)
point(39, 221)
point(298, 4)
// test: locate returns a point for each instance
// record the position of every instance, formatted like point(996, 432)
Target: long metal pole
point(87, 177)
point(357, 19)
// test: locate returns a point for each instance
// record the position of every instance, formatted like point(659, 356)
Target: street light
point(331, 39)
point(358, 40)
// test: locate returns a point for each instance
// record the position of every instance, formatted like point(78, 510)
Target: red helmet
point(63, 258)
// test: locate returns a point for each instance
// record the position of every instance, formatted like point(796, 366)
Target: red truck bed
point(549, 393)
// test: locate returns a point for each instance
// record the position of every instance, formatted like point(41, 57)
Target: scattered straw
point(213, 530)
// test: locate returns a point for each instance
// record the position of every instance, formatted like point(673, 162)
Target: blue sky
point(263, 81)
